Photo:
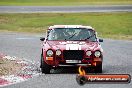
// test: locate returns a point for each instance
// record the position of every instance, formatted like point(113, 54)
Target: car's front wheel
point(45, 68)
point(98, 68)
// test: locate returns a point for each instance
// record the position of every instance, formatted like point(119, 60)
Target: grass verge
point(64, 2)
point(8, 67)
point(108, 25)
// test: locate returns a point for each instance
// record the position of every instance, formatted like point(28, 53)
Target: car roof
point(70, 26)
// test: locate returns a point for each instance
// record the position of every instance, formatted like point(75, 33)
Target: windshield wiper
point(90, 37)
point(72, 36)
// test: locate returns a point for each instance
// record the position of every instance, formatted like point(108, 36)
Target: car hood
point(74, 45)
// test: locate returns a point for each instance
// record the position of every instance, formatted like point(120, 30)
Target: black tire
point(98, 68)
point(45, 68)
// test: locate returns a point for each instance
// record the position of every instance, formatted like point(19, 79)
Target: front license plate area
point(73, 61)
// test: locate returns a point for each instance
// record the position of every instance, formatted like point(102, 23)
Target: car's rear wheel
point(45, 68)
point(98, 68)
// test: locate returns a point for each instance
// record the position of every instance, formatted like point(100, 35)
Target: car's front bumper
point(74, 65)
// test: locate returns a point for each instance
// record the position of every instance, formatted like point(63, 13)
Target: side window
point(93, 34)
point(51, 35)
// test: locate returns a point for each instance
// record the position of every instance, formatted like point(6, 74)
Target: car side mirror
point(100, 40)
point(42, 38)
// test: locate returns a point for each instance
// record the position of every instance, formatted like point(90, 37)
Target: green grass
point(64, 2)
point(108, 25)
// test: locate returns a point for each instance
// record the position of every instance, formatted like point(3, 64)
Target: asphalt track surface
point(65, 9)
point(117, 59)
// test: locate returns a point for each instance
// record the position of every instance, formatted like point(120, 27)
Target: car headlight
point(58, 52)
point(88, 53)
point(97, 53)
point(49, 53)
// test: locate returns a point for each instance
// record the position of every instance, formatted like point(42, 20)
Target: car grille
point(73, 54)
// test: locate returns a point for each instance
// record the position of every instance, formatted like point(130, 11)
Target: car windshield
point(71, 34)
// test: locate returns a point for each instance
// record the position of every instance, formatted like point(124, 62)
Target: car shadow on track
point(69, 71)
point(107, 69)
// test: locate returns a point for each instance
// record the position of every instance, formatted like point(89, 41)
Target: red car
point(71, 46)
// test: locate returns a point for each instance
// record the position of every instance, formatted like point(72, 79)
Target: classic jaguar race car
point(71, 46)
